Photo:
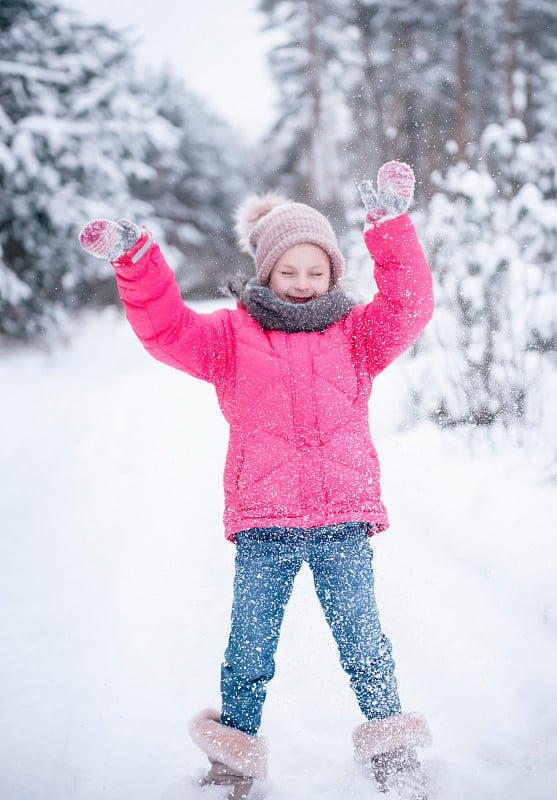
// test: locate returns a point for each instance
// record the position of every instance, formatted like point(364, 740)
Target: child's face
point(302, 273)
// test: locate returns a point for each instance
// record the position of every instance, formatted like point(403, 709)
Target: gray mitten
point(395, 188)
point(104, 238)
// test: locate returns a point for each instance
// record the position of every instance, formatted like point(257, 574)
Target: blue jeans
point(267, 561)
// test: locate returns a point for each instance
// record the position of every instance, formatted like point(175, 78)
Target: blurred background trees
point(465, 91)
point(82, 136)
point(361, 80)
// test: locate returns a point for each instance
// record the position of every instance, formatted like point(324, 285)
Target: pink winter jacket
point(300, 453)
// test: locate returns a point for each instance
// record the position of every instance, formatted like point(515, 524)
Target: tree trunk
point(323, 168)
point(315, 104)
point(367, 145)
point(461, 111)
point(511, 60)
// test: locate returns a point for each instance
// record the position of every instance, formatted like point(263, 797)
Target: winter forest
point(463, 90)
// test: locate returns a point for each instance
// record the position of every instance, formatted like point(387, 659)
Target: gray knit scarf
point(274, 314)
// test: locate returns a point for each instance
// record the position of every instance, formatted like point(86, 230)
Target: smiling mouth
point(297, 300)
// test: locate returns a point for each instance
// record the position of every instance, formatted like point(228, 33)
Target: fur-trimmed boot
point(385, 748)
point(237, 759)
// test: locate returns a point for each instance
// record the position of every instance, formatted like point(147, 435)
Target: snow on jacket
point(300, 452)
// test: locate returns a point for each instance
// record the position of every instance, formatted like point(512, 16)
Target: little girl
point(293, 366)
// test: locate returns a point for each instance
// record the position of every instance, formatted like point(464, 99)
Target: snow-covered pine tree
point(70, 136)
point(81, 137)
point(491, 236)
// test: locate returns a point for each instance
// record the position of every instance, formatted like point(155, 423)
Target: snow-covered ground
point(116, 588)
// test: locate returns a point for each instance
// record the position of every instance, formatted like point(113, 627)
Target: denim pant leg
point(265, 572)
point(343, 575)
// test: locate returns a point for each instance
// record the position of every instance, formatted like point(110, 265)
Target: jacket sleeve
point(403, 304)
point(199, 344)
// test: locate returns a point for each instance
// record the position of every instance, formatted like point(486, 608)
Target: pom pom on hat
point(250, 212)
point(270, 224)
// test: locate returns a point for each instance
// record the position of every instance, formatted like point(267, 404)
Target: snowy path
point(116, 584)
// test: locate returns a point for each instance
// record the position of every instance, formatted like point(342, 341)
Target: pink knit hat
point(269, 225)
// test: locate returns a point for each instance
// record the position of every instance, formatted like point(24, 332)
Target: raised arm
point(199, 344)
point(403, 305)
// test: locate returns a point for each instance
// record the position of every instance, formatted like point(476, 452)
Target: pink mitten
point(396, 178)
point(104, 238)
point(395, 187)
